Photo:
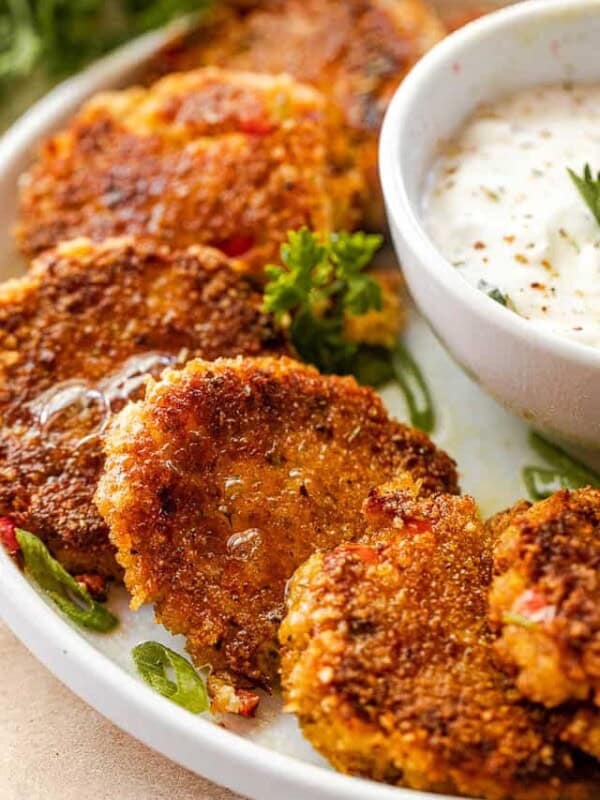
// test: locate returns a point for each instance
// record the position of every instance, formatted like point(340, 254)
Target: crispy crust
point(227, 477)
point(545, 603)
point(228, 159)
point(356, 52)
point(388, 662)
point(79, 315)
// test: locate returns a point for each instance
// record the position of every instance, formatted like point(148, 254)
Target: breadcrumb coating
point(388, 662)
point(356, 52)
point(229, 159)
point(545, 604)
point(77, 335)
point(227, 477)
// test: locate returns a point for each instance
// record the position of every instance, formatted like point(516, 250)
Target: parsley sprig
point(588, 188)
point(319, 284)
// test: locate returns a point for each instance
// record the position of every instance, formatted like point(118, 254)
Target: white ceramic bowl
point(550, 381)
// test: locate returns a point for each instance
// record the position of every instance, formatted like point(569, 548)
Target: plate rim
point(224, 757)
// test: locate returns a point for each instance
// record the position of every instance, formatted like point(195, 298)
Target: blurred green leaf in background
point(42, 41)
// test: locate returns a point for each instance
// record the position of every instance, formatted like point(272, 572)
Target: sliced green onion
point(152, 660)
point(542, 483)
point(371, 366)
point(416, 392)
point(567, 473)
point(72, 599)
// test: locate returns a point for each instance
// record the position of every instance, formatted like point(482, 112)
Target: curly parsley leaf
point(71, 597)
point(155, 662)
point(588, 188)
point(318, 286)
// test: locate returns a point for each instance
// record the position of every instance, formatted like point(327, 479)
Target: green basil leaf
point(152, 660)
point(72, 599)
point(411, 381)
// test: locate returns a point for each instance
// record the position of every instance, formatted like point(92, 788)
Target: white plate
point(266, 757)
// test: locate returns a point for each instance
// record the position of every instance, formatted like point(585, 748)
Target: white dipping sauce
point(503, 210)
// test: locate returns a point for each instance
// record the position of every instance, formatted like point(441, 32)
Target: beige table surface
point(55, 747)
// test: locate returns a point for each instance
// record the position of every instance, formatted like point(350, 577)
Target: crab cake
point(380, 328)
point(545, 598)
point(227, 477)
point(77, 336)
point(228, 159)
point(387, 660)
point(356, 52)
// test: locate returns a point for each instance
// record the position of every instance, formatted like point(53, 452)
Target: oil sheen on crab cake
point(356, 52)
point(229, 475)
point(222, 158)
point(77, 336)
point(388, 662)
point(545, 604)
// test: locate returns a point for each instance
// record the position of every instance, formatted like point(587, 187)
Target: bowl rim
point(398, 206)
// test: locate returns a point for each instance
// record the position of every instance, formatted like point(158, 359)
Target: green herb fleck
point(153, 661)
point(497, 295)
point(72, 599)
point(510, 618)
point(567, 473)
point(589, 189)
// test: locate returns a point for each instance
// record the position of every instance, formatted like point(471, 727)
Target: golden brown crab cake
point(222, 158)
point(381, 328)
point(355, 52)
point(387, 660)
point(229, 475)
point(77, 335)
point(545, 599)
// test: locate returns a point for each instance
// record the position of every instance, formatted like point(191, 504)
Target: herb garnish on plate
point(566, 472)
point(154, 661)
point(323, 282)
point(69, 595)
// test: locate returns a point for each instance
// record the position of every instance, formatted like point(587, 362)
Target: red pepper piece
point(366, 554)
point(236, 245)
point(257, 126)
point(416, 526)
point(248, 702)
point(8, 535)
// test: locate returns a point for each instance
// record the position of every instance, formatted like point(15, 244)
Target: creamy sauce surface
point(502, 208)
